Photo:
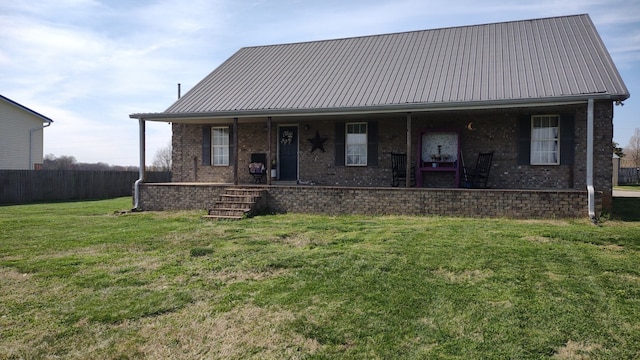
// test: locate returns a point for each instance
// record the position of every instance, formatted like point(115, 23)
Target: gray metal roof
point(539, 60)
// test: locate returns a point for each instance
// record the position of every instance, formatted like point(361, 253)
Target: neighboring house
point(539, 94)
point(21, 136)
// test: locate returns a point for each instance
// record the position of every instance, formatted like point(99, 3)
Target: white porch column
point(408, 167)
point(269, 153)
point(590, 189)
point(136, 192)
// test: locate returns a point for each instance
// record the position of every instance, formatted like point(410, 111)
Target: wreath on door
point(287, 137)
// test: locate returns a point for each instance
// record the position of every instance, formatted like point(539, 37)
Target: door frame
point(297, 126)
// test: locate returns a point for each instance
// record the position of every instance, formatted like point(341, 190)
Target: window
point(545, 140)
point(356, 144)
point(220, 146)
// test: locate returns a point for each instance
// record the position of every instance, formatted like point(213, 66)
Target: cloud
point(88, 64)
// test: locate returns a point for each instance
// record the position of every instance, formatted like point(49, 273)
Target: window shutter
point(524, 140)
point(340, 138)
point(372, 143)
point(567, 139)
point(206, 145)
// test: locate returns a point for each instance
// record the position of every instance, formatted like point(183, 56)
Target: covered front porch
point(343, 200)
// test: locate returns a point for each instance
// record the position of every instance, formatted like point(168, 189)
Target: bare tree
point(64, 162)
point(632, 151)
point(162, 159)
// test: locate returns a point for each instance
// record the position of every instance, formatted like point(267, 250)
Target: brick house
point(326, 116)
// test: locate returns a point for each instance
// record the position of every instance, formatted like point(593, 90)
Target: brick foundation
point(518, 204)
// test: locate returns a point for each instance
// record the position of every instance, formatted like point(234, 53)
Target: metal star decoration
point(317, 142)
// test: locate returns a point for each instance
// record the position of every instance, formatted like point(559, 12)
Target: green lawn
point(83, 280)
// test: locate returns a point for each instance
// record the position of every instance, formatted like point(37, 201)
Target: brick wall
point(519, 204)
point(494, 130)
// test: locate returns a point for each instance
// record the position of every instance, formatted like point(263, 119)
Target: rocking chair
point(478, 176)
point(257, 167)
point(399, 170)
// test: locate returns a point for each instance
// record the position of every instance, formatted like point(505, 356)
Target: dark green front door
point(288, 153)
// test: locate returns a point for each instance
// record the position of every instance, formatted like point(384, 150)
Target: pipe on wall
point(590, 188)
point(31, 131)
point(136, 187)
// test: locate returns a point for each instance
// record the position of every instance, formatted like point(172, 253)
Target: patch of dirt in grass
point(538, 239)
point(575, 351)
point(613, 247)
point(299, 240)
point(245, 332)
point(504, 304)
point(554, 276)
point(464, 276)
point(13, 276)
point(630, 277)
point(234, 276)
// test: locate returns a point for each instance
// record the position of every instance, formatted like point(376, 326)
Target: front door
point(288, 153)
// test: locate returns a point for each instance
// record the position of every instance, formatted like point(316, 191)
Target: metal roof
point(540, 60)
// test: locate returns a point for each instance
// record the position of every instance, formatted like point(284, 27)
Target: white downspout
point(136, 192)
point(590, 189)
point(31, 131)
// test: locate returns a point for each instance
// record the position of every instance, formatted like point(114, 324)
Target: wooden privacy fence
point(26, 186)
point(628, 176)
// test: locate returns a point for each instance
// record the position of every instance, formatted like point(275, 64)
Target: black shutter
point(524, 140)
point(206, 145)
point(372, 143)
point(340, 143)
point(567, 139)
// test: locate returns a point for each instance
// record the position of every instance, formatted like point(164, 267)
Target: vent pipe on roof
point(178, 90)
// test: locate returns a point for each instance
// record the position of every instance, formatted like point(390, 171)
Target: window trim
point(366, 143)
point(533, 140)
point(214, 146)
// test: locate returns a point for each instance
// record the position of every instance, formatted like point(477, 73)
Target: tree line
point(631, 152)
point(161, 162)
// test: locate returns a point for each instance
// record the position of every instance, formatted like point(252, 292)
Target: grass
point(82, 280)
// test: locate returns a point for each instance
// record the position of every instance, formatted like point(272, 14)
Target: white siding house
point(21, 136)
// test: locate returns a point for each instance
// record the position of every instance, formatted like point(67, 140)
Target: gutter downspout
point(590, 189)
point(31, 131)
point(136, 192)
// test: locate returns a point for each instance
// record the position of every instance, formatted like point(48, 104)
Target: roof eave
point(186, 117)
point(22, 107)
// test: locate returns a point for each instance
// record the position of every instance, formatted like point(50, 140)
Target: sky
point(89, 64)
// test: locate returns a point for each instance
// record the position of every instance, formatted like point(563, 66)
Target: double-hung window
point(545, 140)
point(356, 144)
point(220, 146)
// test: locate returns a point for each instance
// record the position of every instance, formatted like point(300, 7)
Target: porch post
point(142, 154)
point(590, 188)
point(235, 151)
point(269, 150)
point(408, 168)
